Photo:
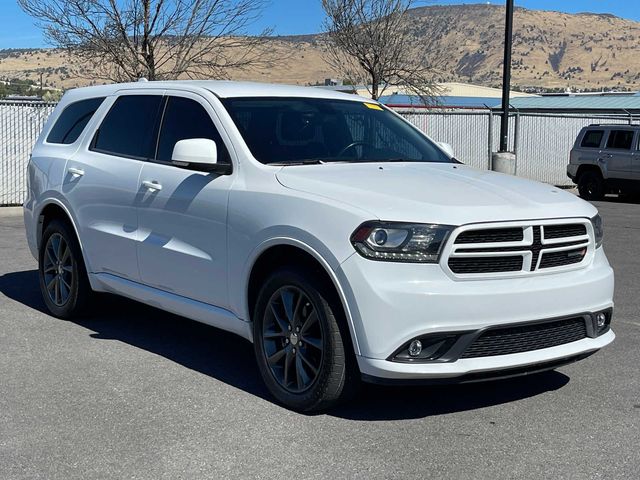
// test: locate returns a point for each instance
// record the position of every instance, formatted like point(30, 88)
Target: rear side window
point(183, 119)
point(592, 139)
point(620, 139)
point(128, 130)
point(72, 121)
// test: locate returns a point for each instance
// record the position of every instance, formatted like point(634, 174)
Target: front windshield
point(315, 130)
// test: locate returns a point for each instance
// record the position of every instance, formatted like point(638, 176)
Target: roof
point(458, 89)
point(580, 102)
point(221, 88)
point(443, 102)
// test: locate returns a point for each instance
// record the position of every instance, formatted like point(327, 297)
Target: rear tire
point(301, 341)
point(591, 185)
point(63, 277)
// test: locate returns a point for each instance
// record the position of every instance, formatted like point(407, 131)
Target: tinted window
point(592, 138)
point(620, 139)
point(184, 118)
point(289, 130)
point(72, 121)
point(129, 128)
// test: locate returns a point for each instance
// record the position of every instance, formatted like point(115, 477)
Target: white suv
point(324, 228)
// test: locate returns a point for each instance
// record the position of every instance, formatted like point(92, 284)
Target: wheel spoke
point(276, 357)
point(65, 255)
point(49, 268)
point(271, 335)
point(309, 321)
point(57, 291)
point(296, 310)
point(64, 282)
point(48, 251)
point(287, 302)
point(279, 321)
point(51, 283)
point(314, 342)
point(60, 249)
point(63, 290)
point(301, 376)
point(313, 369)
point(287, 367)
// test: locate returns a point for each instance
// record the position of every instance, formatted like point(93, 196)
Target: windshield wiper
point(304, 161)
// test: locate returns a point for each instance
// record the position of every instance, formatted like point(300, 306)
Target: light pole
point(506, 77)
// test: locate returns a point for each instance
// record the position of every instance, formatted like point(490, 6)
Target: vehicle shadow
point(208, 350)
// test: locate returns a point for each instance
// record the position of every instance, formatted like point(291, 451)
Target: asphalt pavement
point(133, 392)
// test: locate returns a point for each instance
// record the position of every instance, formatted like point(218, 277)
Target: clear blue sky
point(17, 30)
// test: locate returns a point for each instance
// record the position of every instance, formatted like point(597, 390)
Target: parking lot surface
point(133, 392)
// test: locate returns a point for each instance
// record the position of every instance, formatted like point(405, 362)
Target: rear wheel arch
point(582, 169)
point(55, 210)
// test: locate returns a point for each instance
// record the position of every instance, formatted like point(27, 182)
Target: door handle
point(76, 172)
point(153, 186)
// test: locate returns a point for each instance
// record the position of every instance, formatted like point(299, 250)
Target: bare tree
point(123, 40)
point(369, 42)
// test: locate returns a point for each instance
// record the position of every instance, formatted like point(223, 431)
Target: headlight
point(598, 229)
point(400, 242)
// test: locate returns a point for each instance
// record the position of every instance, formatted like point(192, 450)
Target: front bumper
point(392, 303)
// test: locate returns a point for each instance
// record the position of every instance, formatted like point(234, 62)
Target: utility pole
point(506, 77)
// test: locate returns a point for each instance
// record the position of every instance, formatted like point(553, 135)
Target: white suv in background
point(323, 227)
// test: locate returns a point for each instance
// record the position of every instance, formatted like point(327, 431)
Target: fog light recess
point(427, 348)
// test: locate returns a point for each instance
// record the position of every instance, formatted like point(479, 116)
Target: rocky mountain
point(465, 42)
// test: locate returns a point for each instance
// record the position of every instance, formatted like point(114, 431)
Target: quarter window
point(183, 119)
point(620, 139)
point(592, 139)
point(72, 121)
point(128, 130)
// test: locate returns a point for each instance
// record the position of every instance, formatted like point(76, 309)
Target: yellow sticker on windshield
point(373, 106)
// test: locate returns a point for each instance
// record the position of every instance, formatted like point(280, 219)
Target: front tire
point(64, 284)
point(301, 342)
point(591, 185)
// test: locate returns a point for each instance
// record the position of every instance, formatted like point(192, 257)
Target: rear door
point(618, 153)
point(102, 182)
point(183, 213)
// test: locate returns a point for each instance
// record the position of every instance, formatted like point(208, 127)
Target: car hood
point(434, 192)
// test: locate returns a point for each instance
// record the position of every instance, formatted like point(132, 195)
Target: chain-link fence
point(20, 125)
point(541, 141)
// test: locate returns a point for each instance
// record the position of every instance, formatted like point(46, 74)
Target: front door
point(182, 213)
point(618, 154)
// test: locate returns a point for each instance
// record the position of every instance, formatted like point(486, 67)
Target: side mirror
point(195, 150)
point(446, 148)
point(198, 154)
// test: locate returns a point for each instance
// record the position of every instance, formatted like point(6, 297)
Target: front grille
point(491, 235)
point(562, 231)
point(517, 250)
point(463, 265)
point(559, 259)
point(525, 338)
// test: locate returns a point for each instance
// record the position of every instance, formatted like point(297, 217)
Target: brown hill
point(551, 50)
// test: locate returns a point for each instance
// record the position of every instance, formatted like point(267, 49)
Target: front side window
point(72, 121)
point(295, 130)
point(620, 139)
point(128, 130)
point(592, 139)
point(183, 119)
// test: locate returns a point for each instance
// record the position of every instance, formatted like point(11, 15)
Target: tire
point(63, 278)
point(591, 185)
point(298, 321)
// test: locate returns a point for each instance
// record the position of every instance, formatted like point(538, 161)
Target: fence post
point(516, 139)
point(490, 141)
